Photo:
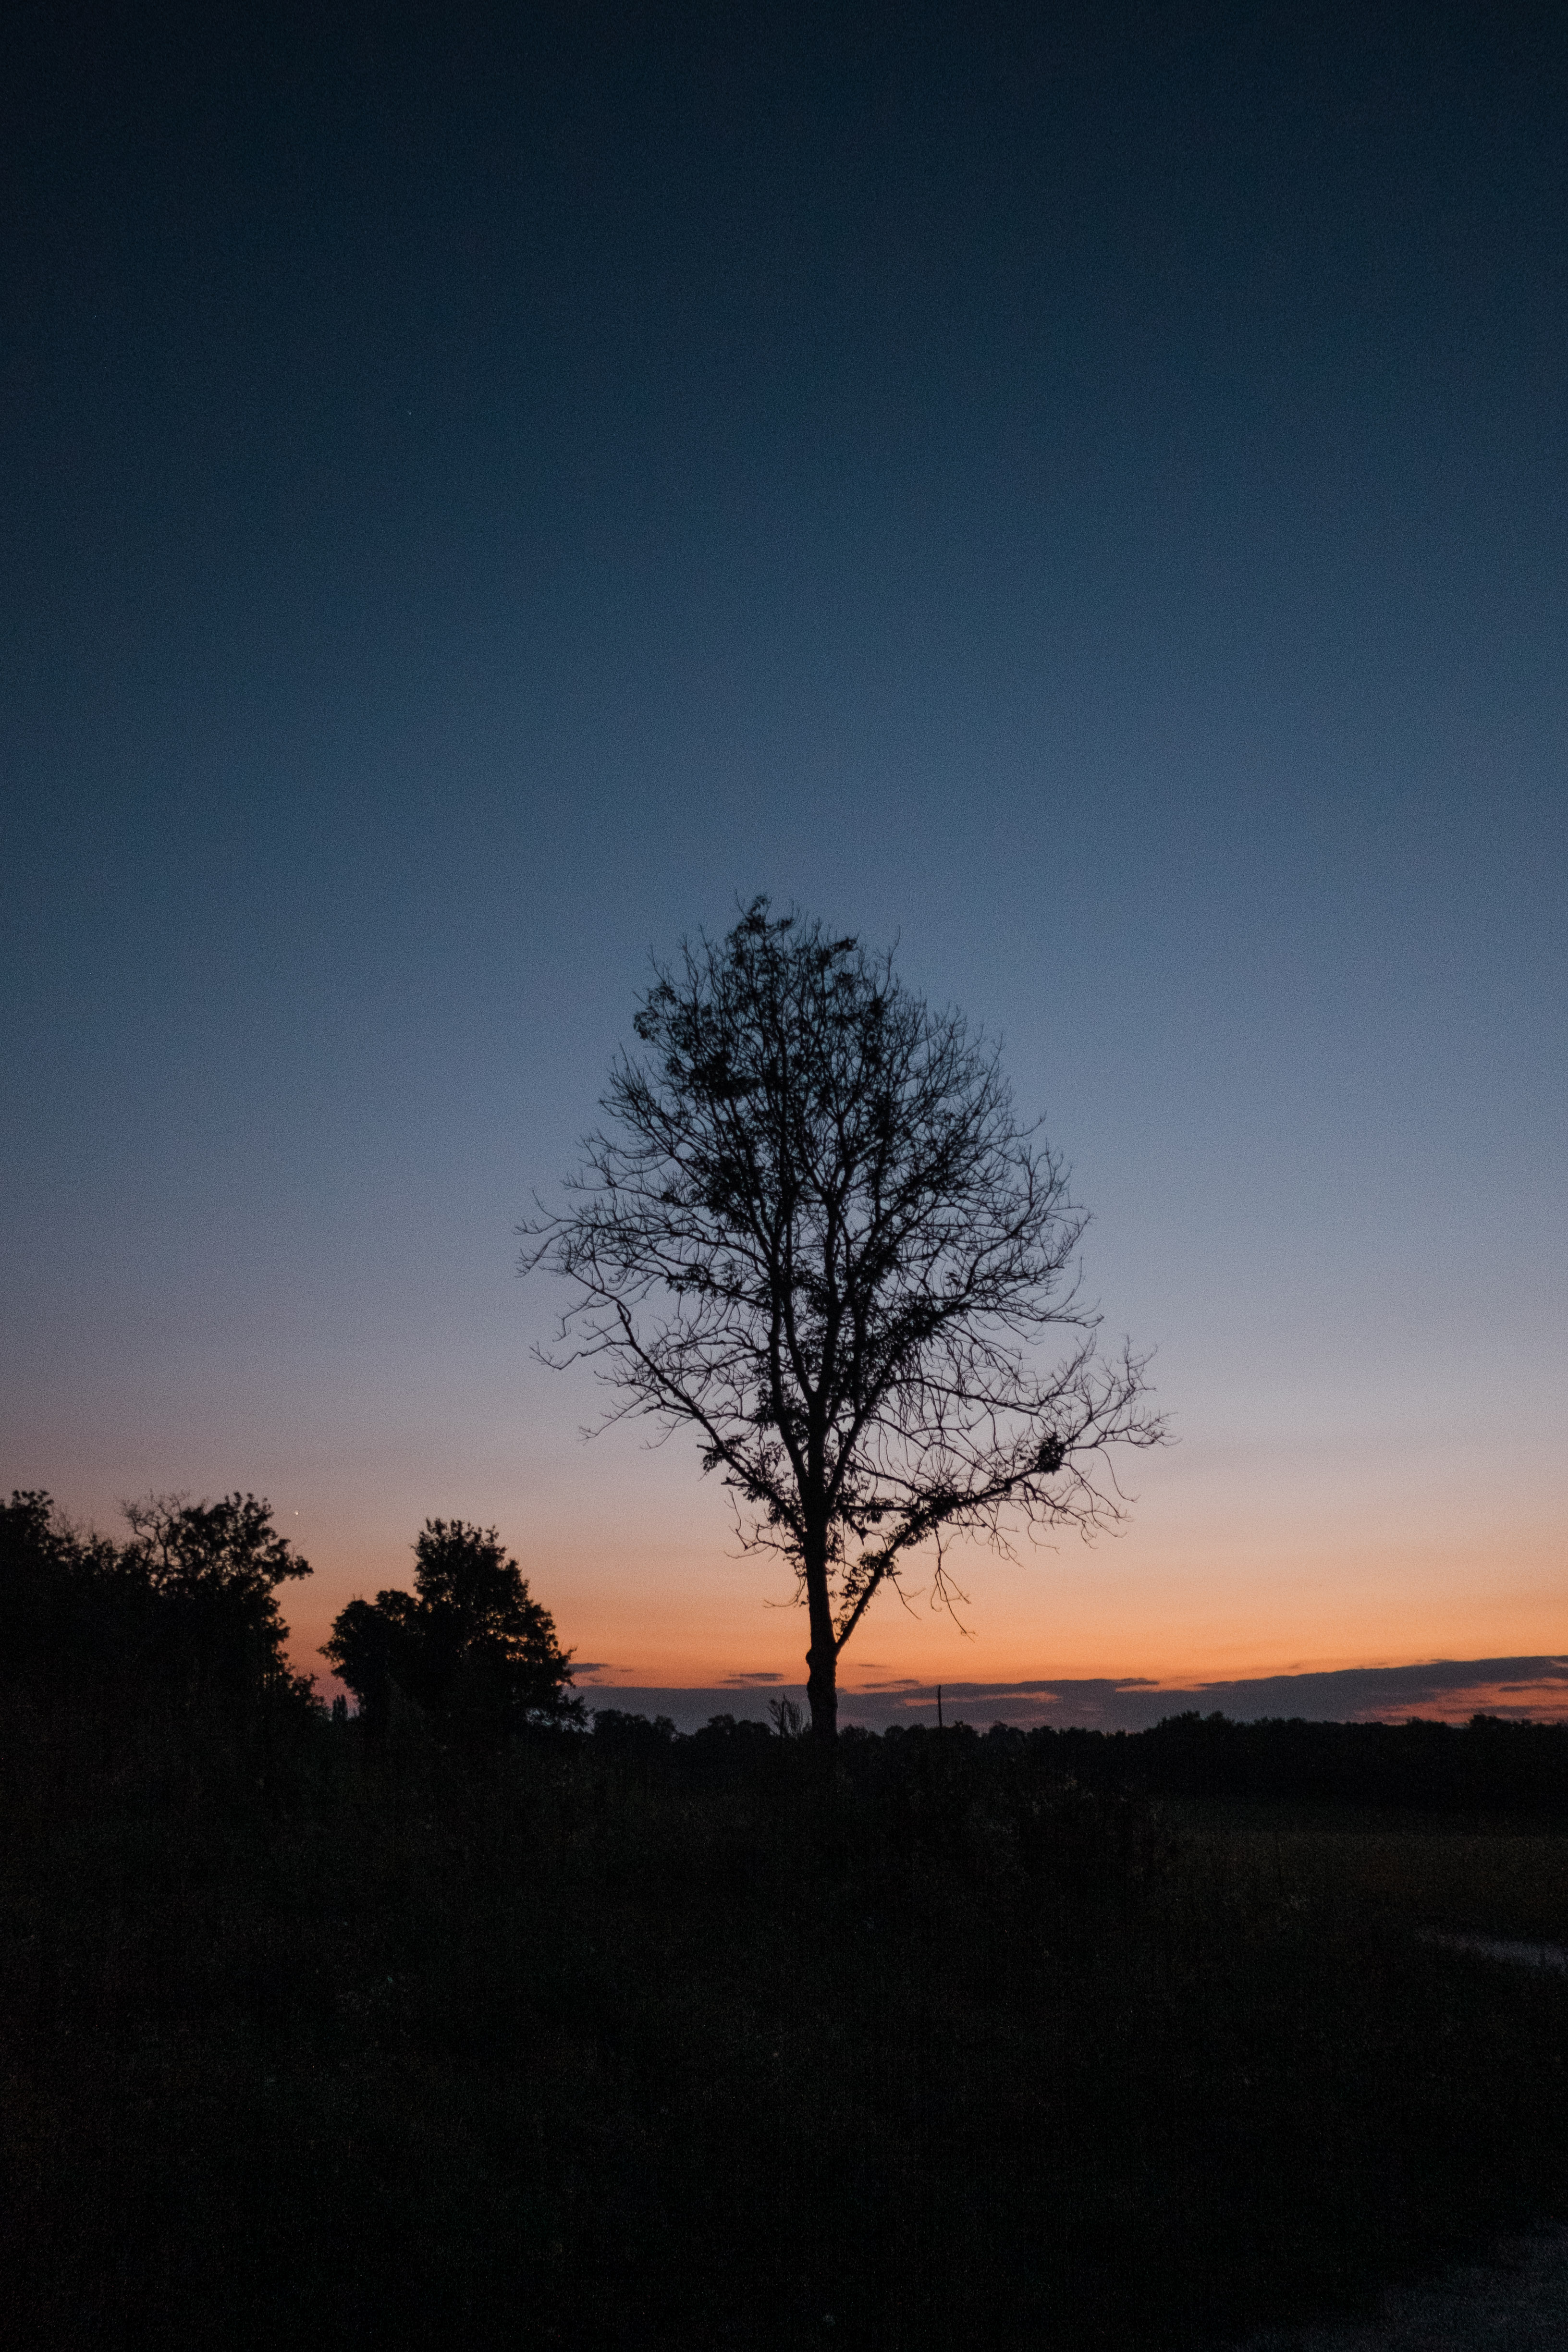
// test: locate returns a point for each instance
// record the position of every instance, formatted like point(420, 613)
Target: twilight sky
point(1081, 489)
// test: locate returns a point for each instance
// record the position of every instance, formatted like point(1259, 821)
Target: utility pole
point(939, 1707)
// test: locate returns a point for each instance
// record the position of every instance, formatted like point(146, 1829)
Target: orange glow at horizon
point(1175, 1606)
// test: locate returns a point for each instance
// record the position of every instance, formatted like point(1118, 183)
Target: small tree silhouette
point(470, 1644)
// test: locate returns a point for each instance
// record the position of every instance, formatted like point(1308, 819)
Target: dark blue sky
point(1082, 489)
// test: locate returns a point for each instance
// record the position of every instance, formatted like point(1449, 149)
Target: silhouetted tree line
point(1490, 1764)
point(186, 1607)
point(186, 1611)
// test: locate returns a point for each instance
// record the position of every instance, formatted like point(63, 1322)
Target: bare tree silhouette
point(819, 1234)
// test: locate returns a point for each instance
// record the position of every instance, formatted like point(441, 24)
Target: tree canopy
point(817, 1232)
point(470, 1644)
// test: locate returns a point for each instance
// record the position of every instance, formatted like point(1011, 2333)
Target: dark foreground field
point(312, 2035)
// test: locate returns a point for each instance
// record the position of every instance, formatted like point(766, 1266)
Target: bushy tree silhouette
point(819, 1234)
point(191, 1598)
point(213, 1569)
point(56, 1592)
point(470, 1644)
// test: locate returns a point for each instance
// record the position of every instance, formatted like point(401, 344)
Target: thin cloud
point(1520, 1688)
point(1442, 1686)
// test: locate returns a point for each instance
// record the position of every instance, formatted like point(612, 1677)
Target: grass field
point(1456, 1875)
point(306, 2035)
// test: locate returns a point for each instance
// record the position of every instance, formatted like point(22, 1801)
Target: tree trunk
point(822, 1658)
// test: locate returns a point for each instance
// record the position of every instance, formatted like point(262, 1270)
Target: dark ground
point(608, 2040)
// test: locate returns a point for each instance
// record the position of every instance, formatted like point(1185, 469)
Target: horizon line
point(1520, 1688)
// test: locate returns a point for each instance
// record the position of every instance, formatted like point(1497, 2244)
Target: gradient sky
point(1081, 490)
